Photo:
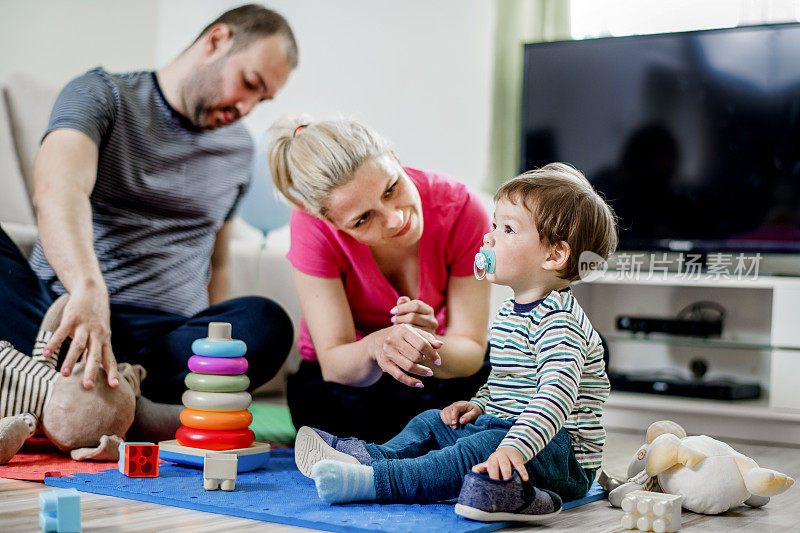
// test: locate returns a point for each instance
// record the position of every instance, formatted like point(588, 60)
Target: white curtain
point(518, 22)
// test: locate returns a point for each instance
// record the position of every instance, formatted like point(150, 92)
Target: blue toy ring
point(212, 348)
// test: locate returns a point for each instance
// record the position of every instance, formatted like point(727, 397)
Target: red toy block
point(138, 459)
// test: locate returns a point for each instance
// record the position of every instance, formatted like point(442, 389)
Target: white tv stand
point(760, 342)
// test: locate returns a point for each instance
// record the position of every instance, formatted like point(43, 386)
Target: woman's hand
point(460, 413)
point(416, 313)
point(398, 350)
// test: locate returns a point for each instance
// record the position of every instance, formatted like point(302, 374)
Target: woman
point(394, 321)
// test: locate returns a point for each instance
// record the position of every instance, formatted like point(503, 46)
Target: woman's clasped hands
point(401, 349)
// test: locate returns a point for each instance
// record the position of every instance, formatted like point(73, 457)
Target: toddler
point(531, 435)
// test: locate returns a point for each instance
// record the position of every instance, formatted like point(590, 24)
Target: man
point(136, 182)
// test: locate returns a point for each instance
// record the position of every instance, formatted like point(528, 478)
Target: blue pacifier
point(484, 263)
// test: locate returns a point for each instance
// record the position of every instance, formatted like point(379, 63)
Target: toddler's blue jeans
point(428, 460)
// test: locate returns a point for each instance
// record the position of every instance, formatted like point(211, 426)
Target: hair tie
point(299, 130)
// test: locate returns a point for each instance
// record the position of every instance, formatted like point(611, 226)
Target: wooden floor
point(19, 505)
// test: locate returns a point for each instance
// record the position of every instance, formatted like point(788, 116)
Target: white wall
point(56, 40)
point(418, 71)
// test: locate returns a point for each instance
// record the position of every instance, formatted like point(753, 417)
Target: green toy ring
point(212, 383)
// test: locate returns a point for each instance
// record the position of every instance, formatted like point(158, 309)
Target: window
point(603, 18)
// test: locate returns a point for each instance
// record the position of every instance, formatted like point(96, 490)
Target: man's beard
point(200, 92)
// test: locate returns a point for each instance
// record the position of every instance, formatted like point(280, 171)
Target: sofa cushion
point(15, 203)
point(29, 104)
point(23, 235)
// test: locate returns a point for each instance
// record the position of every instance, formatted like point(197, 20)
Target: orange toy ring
point(209, 439)
point(197, 419)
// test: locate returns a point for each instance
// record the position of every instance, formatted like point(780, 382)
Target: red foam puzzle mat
point(39, 458)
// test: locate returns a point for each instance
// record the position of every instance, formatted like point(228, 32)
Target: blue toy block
point(61, 511)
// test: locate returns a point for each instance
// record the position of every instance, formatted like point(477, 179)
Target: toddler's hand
point(503, 462)
point(416, 313)
point(460, 413)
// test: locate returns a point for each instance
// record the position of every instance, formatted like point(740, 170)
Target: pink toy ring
point(221, 366)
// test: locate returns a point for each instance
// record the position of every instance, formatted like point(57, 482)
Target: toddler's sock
point(343, 482)
point(314, 445)
point(349, 445)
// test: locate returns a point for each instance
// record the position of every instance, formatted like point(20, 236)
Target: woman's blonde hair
point(565, 207)
point(310, 159)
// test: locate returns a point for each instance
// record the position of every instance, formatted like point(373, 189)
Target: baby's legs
point(555, 468)
point(424, 433)
point(437, 475)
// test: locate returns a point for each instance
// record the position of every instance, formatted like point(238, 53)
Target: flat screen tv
point(693, 137)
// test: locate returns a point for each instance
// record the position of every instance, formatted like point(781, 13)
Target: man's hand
point(416, 313)
point(503, 462)
point(86, 320)
point(460, 413)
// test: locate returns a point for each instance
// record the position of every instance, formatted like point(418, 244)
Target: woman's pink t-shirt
point(455, 222)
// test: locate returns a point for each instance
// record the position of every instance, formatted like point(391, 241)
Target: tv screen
point(693, 138)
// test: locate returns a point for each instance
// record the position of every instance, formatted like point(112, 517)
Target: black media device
point(671, 326)
point(716, 389)
point(693, 137)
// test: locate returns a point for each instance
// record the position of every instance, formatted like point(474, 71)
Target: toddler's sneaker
point(487, 500)
point(314, 445)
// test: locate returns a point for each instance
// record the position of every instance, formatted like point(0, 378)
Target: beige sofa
point(24, 111)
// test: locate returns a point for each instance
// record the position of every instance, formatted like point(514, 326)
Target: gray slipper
point(310, 448)
point(487, 500)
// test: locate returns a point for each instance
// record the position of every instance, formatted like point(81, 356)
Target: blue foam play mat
point(280, 493)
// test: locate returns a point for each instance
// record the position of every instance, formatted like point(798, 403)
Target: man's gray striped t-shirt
point(163, 189)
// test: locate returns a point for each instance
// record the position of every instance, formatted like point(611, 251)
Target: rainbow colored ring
point(216, 401)
point(221, 366)
point(210, 439)
point(213, 383)
point(212, 348)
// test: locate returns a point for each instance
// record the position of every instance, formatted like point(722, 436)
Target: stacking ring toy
point(226, 366)
point(216, 401)
point(216, 419)
point(209, 439)
point(213, 348)
point(211, 383)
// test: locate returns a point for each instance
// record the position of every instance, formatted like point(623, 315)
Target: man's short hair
point(565, 208)
point(251, 22)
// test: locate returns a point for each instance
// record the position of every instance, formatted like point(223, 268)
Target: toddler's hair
point(566, 208)
point(310, 159)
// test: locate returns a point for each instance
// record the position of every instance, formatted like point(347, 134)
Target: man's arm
point(64, 176)
point(219, 283)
